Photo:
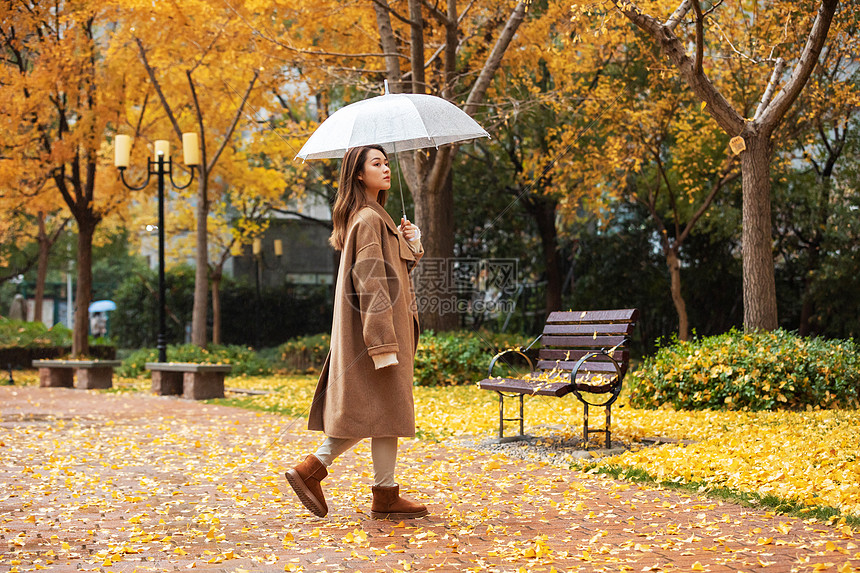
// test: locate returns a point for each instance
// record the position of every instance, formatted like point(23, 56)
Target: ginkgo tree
point(210, 75)
point(748, 63)
point(60, 89)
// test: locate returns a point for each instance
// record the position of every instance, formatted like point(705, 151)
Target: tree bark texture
point(201, 272)
point(543, 211)
point(434, 289)
point(673, 263)
point(759, 288)
point(216, 306)
point(84, 292)
point(41, 268)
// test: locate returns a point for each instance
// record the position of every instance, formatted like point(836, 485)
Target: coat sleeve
point(372, 290)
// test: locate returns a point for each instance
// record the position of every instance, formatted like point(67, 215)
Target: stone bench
point(82, 374)
point(192, 381)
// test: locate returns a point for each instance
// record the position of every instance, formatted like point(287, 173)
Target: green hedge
point(444, 359)
point(757, 371)
point(19, 333)
point(243, 359)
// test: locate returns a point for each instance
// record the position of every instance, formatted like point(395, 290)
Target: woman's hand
point(410, 231)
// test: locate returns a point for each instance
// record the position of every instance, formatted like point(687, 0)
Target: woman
point(365, 389)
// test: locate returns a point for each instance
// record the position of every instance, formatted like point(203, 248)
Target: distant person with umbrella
point(98, 316)
point(365, 388)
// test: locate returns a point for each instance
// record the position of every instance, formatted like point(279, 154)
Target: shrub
point(244, 360)
point(757, 371)
point(19, 333)
point(451, 358)
point(304, 353)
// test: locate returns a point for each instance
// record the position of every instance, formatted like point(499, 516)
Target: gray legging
point(383, 450)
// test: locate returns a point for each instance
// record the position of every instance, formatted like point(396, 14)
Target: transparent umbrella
point(397, 122)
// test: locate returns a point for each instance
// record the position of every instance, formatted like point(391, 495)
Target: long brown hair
point(350, 192)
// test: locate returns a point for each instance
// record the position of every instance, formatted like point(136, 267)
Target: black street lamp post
point(161, 167)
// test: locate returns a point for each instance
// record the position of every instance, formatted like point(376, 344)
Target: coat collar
point(405, 252)
point(389, 222)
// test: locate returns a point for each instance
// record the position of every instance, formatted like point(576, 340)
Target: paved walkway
point(96, 481)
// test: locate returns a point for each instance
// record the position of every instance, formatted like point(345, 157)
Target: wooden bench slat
point(530, 387)
point(622, 315)
point(583, 341)
point(621, 355)
point(623, 328)
point(567, 365)
point(546, 387)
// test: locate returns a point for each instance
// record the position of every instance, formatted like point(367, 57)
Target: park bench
point(582, 352)
point(193, 381)
point(82, 374)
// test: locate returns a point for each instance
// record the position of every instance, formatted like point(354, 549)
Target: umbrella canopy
point(102, 306)
point(398, 122)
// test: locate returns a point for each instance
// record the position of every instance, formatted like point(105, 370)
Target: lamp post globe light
point(161, 166)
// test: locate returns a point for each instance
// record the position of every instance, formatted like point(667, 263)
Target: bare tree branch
point(771, 87)
point(384, 4)
point(717, 105)
point(678, 15)
point(229, 133)
point(727, 175)
point(476, 96)
point(155, 83)
point(700, 39)
point(778, 107)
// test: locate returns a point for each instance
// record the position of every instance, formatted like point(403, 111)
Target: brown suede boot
point(305, 480)
point(387, 504)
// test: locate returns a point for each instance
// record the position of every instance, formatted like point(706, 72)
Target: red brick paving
point(98, 481)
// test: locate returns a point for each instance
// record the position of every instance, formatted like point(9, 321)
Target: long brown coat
point(374, 313)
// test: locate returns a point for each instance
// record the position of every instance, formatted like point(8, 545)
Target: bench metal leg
point(585, 424)
point(607, 430)
point(502, 418)
point(522, 417)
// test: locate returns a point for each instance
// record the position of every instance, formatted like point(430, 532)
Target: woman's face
point(375, 174)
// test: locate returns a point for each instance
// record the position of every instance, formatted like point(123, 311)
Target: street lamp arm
point(190, 179)
point(134, 187)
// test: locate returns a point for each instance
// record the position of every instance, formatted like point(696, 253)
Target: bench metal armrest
point(521, 352)
point(500, 354)
point(616, 387)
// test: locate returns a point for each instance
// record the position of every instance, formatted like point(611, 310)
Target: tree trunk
point(41, 269)
point(673, 263)
point(434, 215)
point(543, 210)
point(201, 273)
point(84, 293)
point(216, 306)
point(759, 285)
